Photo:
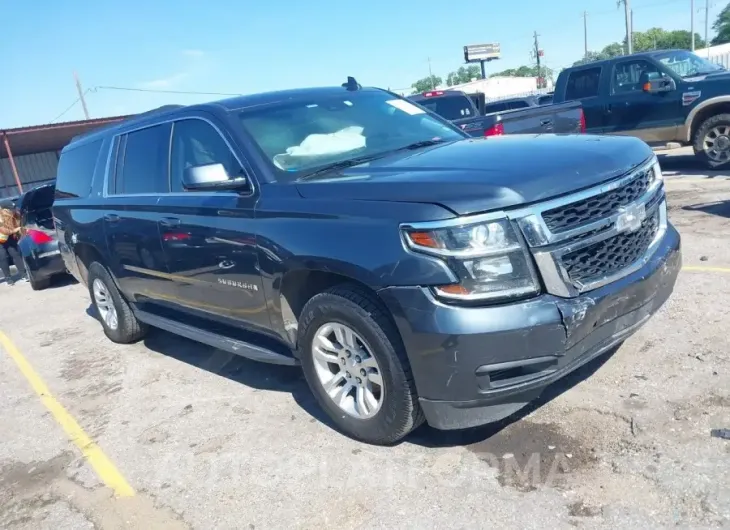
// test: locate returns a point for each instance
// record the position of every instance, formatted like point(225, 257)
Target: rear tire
point(713, 132)
point(398, 411)
point(35, 284)
point(116, 316)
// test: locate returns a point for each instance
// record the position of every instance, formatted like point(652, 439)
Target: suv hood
point(480, 174)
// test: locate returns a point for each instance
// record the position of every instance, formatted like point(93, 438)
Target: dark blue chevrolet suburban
point(413, 272)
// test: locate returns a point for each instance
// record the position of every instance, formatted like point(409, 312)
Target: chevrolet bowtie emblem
point(630, 218)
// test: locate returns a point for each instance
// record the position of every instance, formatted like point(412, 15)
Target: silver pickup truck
point(459, 108)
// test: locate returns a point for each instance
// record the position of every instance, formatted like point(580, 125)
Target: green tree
point(526, 71)
point(722, 27)
point(427, 83)
point(651, 39)
point(463, 75)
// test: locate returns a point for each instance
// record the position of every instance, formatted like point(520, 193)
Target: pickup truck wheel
point(712, 141)
point(355, 363)
point(119, 323)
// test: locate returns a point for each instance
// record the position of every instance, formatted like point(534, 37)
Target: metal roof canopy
point(49, 137)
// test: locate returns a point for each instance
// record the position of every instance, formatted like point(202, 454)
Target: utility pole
point(692, 21)
point(537, 58)
point(585, 34)
point(707, 26)
point(81, 95)
point(430, 74)
point(627, 16)
point(631, 32)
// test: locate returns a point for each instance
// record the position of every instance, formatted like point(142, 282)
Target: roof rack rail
point(163, 108)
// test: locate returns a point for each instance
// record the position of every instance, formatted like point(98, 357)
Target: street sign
point(476, 53)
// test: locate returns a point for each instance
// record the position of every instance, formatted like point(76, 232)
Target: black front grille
point(611, 255)
point(577, 214)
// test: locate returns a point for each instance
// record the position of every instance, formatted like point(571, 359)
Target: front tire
point(355, 364)
point(712, 141)
point(119, 323)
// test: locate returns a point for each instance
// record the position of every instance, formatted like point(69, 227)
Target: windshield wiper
point(418, 145)
point(704, 72)
point(344, 164)
point(361, 160)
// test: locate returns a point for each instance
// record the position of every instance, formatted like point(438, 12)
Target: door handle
point(169, 222)
point(546, 122)
point(111, 217)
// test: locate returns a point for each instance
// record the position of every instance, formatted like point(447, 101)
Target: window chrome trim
point(116, 138)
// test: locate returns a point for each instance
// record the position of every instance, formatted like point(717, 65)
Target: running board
point(238, 347)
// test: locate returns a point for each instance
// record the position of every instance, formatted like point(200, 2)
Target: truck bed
point(563, 118)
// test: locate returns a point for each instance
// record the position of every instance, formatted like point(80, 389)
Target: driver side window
point(626, 76)
point(197, 143)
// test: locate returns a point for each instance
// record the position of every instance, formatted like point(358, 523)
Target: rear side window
point(142, 161)
point(518, 105)
point(449, 107)
point(583, 84)
point(76, 170)
point(495, 107)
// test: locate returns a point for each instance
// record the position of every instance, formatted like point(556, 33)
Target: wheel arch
point(703, 111)
point(298, 286)
point(85, 254)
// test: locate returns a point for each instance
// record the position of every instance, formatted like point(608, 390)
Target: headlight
point(487, 256)
point(657, 170)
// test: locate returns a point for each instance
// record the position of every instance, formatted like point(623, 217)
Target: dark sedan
point(38, 244)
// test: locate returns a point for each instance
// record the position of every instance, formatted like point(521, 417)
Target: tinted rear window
point(583, 84)
point(495, 107)
point(142, 164)
point(449, 107)
point(76, 170)
point(519, 104)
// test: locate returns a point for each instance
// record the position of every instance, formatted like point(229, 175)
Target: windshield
point(301, 137)
point(687, 64)
point(449, 107)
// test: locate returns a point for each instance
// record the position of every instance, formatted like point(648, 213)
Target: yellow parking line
point(104, 468)
point(707, 269)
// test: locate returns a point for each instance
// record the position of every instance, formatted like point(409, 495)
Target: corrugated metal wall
point(33, 170)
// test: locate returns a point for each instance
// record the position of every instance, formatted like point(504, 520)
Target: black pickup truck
point(415, 273)
point(662, 97)
point(518, 116)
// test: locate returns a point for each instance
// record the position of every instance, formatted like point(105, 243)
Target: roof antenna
point(351, 84)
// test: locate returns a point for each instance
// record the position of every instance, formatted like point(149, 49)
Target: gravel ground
point(209, 440)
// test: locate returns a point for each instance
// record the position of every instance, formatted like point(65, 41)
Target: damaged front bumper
point(478, 365)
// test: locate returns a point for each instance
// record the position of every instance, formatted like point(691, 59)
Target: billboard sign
point(476, 53)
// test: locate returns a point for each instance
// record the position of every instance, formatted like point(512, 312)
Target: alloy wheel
point(347, 370)
point(105, 304)
point(716, 143)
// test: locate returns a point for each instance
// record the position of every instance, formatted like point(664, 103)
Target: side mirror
point(211, 177)
point(656, 83)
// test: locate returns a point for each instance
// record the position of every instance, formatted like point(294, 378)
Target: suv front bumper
point(474, 366)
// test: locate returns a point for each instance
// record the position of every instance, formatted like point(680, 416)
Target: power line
point(72, 105)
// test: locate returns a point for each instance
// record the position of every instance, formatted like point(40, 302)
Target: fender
point(686, 131)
